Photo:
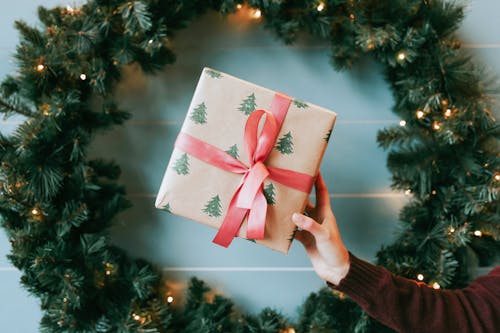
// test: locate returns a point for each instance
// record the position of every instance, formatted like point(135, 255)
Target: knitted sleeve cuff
point(362, 281)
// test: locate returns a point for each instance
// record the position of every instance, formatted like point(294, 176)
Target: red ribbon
point(249, 196)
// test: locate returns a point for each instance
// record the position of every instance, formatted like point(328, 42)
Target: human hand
point(321, 238)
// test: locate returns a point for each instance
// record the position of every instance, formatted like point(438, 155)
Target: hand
point(321, 238)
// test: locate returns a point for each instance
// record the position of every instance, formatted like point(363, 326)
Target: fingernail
point(296, 217)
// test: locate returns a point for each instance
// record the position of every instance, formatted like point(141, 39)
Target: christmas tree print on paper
point(285, 144)
point(327, 137)
point(213, 74)
point(213, 207)
point(233, 151)
point(199, 114)
point(248, 105)
point(300, 104)
point(292, 236)
point(181, 165)
point(167, 208)
point(269, 194)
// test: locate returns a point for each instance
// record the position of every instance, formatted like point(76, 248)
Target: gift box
point(245, 160)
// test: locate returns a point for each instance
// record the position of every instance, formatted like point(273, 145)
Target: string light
point(136, 317)
point(436, 285)
point(239, 6)
point(401, 55)
point(451, 230)
point(40, 68)
point(447, 113)
point(35, 211)
point(65, 300)
point(478, 233)
point(433, 192)
point(352, 17)
point(436, 125)
point(170, 299)
point(257, 14)
point(420, 277)
point(320, 6)
point(408, 192)
point(150, 41)
point(288, 330)
point(45, 108)
point(497, 176)
point(83, 77)
point(420, 114)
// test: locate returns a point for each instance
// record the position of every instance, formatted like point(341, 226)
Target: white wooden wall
point(354, 167)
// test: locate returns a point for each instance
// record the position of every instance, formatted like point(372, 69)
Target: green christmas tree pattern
point(199, 114)
point(292, 236)
point(285, 144)
point(300, 104)
point(213, 207)
point(327, 137)
point(269, 193)
point(213, 74)
point(248, 105)
point(181, 165)
point(167, 208)
point(233, 151)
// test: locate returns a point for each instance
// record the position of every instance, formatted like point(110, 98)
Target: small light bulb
point(352, 17)
point(402, 123)
point(108, 272)
point(239, 6)
point(257, 14)
point(35, 211)
point(436, 125)
point(320, 7)
point(40, 67)
point(83, 77)
point(150, 41)
point(291, 330)
point(420, 114)
point(497, 176)
point(170, 299)
point(436, 285)
point(433, 192)
point(478, 233)
point(401, 55)
point(65, 300)
point(447, 113)
point(136, 316)
point(420, 277)
point(69, 9)
point(408, 192)
point(451, 229)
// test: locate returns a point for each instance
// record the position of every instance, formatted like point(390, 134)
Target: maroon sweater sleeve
point(409, 306)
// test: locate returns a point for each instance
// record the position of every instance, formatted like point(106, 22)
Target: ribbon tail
point(256, 225)
point(231, 223)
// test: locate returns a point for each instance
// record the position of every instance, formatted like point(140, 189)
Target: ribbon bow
point(249, 197)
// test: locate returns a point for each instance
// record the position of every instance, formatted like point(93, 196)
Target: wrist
point(339, 271)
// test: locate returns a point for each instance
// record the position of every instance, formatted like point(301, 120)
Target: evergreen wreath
point(57, 205)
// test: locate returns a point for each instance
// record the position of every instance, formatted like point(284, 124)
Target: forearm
point(408, 306)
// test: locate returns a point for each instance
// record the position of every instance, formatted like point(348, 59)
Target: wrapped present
point(245, 160)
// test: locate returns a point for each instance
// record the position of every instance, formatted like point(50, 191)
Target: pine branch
point(8, 108)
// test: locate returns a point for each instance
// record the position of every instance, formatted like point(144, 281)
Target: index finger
point(322, 195)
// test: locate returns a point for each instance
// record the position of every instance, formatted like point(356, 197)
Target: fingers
point(307, 223)
point(322, 196)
